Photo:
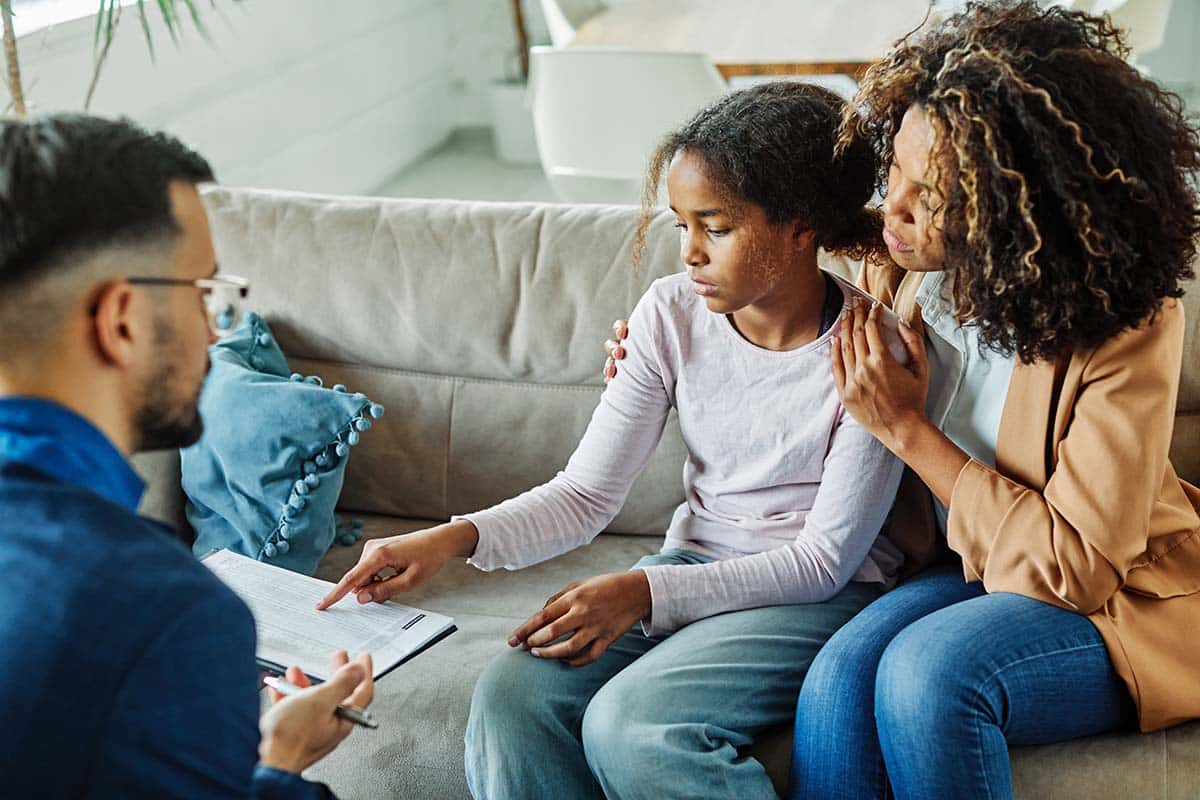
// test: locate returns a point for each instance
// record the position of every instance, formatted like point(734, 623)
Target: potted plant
point(12, 72)
point(107, 18)
point(512, 122)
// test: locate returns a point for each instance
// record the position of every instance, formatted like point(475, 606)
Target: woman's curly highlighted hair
point(773, 145)
point(1068, 177)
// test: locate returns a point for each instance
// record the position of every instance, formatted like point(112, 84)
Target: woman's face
point(912, 209)
point(735, 257)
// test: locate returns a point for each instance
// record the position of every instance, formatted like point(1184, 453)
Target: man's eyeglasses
point(224, 297)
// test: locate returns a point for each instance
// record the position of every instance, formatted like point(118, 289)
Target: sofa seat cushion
point(460, 589)
point(422, 706)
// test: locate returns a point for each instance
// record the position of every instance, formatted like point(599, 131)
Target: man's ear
point(113, 324)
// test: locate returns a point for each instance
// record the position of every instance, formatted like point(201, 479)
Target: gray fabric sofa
point(479, 327)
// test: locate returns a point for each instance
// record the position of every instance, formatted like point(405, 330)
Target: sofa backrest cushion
point(1185, 447)
point(478, 326)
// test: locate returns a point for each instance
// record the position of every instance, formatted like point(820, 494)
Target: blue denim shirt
point(127, 667)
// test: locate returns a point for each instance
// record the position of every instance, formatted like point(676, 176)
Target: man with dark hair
point(127, 667)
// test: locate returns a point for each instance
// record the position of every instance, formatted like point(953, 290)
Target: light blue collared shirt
point(967, 387)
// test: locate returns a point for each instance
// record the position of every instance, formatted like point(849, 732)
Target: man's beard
point(168, 418)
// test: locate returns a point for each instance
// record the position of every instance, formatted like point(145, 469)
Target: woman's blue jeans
point(926, 688)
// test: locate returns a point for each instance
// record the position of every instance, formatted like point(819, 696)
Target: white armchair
point(598, 113)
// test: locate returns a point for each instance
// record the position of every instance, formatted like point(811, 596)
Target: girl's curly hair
point(773, 145)
point(1068, 177)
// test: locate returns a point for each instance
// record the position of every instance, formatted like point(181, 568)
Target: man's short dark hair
point(72, 184)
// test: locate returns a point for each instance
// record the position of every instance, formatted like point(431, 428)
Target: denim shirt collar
point(57, 442)
point(933, 297)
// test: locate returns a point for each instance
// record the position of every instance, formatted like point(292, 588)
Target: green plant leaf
point(167, 7)
point(106, 24)
point(199, 23)
point(99, 21)
point(107, 17)
point(141, 4)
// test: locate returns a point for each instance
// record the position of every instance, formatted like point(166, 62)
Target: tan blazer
point(1084, 510)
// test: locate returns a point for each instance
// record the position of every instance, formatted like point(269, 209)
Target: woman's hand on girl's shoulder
point(614, 349)
point(590, 614)
point(884, 395)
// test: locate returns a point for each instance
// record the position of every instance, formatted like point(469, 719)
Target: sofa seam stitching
point(455, 382)
point(563, 387)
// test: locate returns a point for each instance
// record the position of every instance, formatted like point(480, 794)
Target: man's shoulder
point(104, 561)
point(97, 597)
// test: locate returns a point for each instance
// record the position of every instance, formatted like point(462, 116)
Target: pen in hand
point(356, 715)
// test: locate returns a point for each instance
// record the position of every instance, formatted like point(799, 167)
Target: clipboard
point(291, 631)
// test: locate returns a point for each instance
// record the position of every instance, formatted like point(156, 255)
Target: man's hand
point(299, 731)
point(409, 560)
point(592, 614)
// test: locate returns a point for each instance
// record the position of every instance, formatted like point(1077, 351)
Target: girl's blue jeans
point(654, 717)
point(930, 684)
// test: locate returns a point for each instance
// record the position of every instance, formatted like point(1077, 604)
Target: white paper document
point(292, 632)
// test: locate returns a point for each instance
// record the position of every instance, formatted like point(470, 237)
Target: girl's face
point(912, 210)
point(734, 256)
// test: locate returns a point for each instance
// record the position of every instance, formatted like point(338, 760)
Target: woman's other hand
point(388, 567)
point(590, 614)
point(614, 349)
point(886, 398)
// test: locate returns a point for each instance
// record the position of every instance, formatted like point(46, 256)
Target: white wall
point(296, 94)
point(1177, 63)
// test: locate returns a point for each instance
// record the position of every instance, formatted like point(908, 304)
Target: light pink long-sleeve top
point(783, 488)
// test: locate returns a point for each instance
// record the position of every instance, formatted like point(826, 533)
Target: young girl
point(1041, 208)
point(648, 683)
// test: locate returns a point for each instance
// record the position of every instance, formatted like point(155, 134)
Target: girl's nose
point(692, 256)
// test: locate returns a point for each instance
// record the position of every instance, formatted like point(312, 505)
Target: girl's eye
point(714, 232)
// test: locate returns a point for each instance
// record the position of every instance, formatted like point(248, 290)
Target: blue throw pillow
point(265, 477)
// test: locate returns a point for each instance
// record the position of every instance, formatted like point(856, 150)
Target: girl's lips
point(703, 289)
point(893, 242)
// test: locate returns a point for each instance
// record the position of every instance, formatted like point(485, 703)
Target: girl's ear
point(802, 235)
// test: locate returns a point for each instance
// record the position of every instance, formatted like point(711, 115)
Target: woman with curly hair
point(1040, 207)
point(1041, 217)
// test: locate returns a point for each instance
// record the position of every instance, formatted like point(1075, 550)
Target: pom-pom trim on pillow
point(320, 463)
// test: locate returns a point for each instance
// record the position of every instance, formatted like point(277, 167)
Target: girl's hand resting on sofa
point(591, 614)
point(408, 561)
point(614, 349)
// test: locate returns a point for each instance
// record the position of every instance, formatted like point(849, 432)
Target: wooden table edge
point(854, 69)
